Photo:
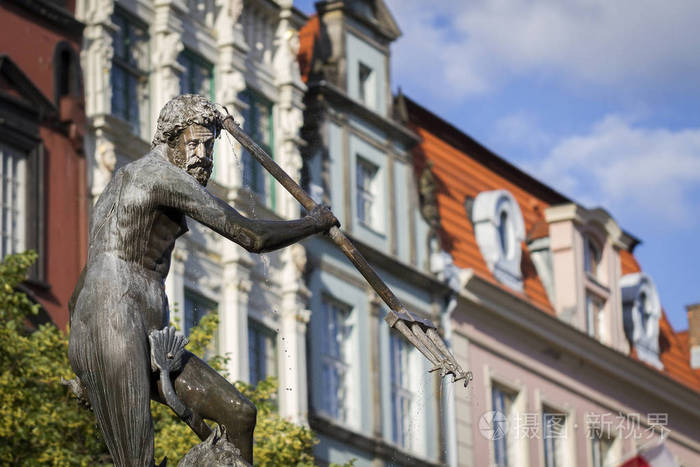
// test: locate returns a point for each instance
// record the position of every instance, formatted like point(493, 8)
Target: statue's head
point(188, 125)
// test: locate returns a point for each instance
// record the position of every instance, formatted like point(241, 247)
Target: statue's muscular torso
point(130, 222)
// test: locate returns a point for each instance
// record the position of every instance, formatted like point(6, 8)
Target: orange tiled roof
point(629, 263)
point(307, 39)
point(463, 169)
point(675, 356)
point(462, 173)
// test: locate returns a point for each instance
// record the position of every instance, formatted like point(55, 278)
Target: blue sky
point(598, 99)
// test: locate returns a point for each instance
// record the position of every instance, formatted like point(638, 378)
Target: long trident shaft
point(419, 332)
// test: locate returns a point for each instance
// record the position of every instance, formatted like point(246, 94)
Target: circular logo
point(493, 425)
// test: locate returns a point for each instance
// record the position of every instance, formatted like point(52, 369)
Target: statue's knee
point(249, 413)
point(244, 413)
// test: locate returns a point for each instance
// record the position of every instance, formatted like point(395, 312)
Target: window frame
point(196, 297)
point(19, 129)
point(555, 444)
point(268, 337)
point(597, 435)
point(333, 405)
point(366, 85)
point(257, 175)
point(501, 446)
point(188, 59)
point(133, 71)
point(516, 445)
point(591, 268)
point(401, 393)
point(364, 194)
point(594, 309)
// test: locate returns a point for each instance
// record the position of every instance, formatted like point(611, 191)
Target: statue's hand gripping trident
point(419, 332)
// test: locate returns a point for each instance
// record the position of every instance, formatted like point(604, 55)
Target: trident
point(418, 331)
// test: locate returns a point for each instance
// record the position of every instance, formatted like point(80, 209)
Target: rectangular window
point(198, 75)
point(196, 306)
point(601, 447)
point(129, 76)
point(591, 256)
point(13, 199)
point(366, 85)
point(554, 437)
point(335, 359)
point(366, 180)
point(259, 125)
point(501, 403)
point(401, 394)
point(262, 352)
point(594, 317)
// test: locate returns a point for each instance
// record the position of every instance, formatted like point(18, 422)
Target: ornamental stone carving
point(105, 161)
point(641, 313)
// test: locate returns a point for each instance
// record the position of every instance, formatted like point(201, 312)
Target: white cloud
point(472, 46)
point(634, 171)
point(521, 132)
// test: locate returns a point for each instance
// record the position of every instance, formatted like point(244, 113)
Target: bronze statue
point(120, 298)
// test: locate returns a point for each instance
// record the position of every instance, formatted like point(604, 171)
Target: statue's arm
point(256, 236)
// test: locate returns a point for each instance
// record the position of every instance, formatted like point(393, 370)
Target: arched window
point(66, 66)
point(503, 233)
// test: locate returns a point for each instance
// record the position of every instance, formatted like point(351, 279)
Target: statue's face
point(193, 152)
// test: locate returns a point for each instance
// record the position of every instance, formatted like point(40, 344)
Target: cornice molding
point(337, 97)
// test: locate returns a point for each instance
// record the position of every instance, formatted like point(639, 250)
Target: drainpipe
point(448, 389)
point(441, 264)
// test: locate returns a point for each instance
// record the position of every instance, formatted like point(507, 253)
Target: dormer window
point(641, 314)
point(499, 230)
point(585, 246)
point(366, 85)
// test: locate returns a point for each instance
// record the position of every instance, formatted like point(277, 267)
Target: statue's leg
point(115, 371)
point(209, 394)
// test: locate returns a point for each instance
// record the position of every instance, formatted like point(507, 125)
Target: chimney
point(694, 334)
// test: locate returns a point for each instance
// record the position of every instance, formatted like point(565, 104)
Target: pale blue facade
point(371, 399)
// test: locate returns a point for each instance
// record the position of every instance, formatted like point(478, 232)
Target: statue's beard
point(200, 169)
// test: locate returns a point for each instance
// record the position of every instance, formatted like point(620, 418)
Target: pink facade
point(543, 361)
point(574, 362)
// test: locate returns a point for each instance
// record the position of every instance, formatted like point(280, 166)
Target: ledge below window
point(373, 446)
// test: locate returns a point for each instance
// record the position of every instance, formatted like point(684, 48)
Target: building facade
point(574, 361)
point(371, 396)
point(540, 297)
point(242, 55)
point(41, 142)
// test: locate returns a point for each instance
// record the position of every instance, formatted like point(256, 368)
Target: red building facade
point(43, 203)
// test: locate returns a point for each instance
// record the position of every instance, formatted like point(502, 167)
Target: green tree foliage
point(41, 422)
